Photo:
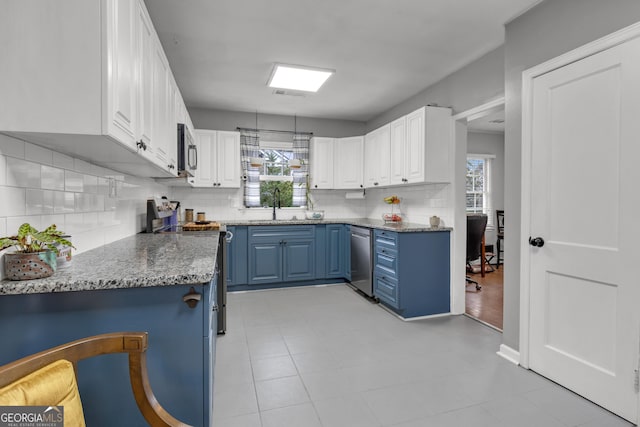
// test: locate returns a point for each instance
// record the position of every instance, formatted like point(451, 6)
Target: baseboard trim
point(509, 354)
point(411, 319)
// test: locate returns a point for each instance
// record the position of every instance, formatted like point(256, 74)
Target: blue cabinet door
point(265, 262)
point(336, 256)
point(237, 257)
point(299, 260)
point(176, 359)
point(346, 244)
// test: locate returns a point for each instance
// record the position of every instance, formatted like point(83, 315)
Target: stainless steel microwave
point(187, 152)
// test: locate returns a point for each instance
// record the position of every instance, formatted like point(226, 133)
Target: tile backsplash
point(93, 204)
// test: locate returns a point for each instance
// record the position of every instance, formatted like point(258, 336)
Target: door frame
point(459, 239)
point(599, 45)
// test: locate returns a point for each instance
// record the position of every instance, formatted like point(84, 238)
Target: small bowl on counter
point(314, 214)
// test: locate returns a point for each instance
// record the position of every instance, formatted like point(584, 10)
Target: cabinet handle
point(215, 307)
point(141, 145)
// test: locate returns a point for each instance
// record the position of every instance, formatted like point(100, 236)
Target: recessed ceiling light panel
point(296, 77)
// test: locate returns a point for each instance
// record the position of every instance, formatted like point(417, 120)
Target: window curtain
point(301, 152)
point(250, 147)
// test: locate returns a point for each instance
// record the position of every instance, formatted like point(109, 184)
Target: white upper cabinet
point(420, 147)
point(228, 164)
point(376, 157)
point(92, 82)
point(122, 59)
point(321, 163)
point(347, 162)
point(218, 159)
point(398, 131)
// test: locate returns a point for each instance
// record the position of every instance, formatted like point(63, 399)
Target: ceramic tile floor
point(326, 357)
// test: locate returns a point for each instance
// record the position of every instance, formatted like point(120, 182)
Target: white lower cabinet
point(218, 159)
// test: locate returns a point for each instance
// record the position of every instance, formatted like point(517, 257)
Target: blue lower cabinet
point(179, 359)
point(335, 251)
point(412, 272)
point(265, 262)
point(237, 256)
point(298, 260)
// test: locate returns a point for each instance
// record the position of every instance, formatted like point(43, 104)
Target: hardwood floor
point(486, 304)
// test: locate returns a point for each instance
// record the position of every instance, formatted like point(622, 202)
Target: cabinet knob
point(315, 186)
point(171, 166)
point(141, 145)
point(375, 183)
point(361, 185)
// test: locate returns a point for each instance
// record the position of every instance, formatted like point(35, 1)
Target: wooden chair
point(48, 378)
point(499, 233)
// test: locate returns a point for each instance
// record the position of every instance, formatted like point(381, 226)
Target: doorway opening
point(480, 165)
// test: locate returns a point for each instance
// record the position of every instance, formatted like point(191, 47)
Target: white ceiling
point(493, 123)
point(384, 51)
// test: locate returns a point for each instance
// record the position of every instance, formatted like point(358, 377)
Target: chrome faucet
point(276, 197)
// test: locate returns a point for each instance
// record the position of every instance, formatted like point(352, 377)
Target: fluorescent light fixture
point(295, 77)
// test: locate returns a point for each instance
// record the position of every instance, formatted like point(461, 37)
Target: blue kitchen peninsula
point(135, 284)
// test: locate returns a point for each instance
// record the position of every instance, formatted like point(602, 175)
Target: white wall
point(93, 204)
point(492, 144)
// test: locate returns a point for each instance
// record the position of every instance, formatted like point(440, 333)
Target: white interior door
point(584, 286)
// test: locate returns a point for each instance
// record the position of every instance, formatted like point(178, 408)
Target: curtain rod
point(274, 131)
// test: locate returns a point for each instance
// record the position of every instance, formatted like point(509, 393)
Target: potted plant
point(311, 213)
point(36, 251)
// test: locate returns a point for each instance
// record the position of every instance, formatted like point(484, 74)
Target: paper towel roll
point(355, 195)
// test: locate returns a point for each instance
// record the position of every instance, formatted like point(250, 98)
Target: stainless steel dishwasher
point(361, 262)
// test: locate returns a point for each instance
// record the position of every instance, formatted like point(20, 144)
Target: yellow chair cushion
point(52, 385)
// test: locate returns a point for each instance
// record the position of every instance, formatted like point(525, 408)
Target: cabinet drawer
point(281, 232)
point(386, 288)
point(387, 239)
point(386, 261)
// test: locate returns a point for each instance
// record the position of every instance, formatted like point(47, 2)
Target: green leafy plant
point(30, 240)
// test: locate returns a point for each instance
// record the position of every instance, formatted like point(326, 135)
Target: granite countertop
point(142, 260)
point(402, 227)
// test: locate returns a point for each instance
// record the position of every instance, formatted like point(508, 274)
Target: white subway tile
point(47, 201)
point(21, 173)
point(12, 201)
point(74, 224)
point(11, 146)
point(14, 222)
point(58, 220)
point(97, 202)
point(38, 154)
point(63, 202)
point(90, 220)
point(3, 227)
point(81, 166)
point(90, 184)
point(34, 201)
point(3, 170)
point(73, 181)
point(103, 186)
point(62, 161)
point(52, 178)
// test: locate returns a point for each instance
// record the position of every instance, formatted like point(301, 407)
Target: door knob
point(536, 241)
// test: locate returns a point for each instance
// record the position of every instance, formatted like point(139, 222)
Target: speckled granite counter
point(402, 227)
point(141, 260)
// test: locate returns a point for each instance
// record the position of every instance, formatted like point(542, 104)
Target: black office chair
point(476, 225)
point(499, 233)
